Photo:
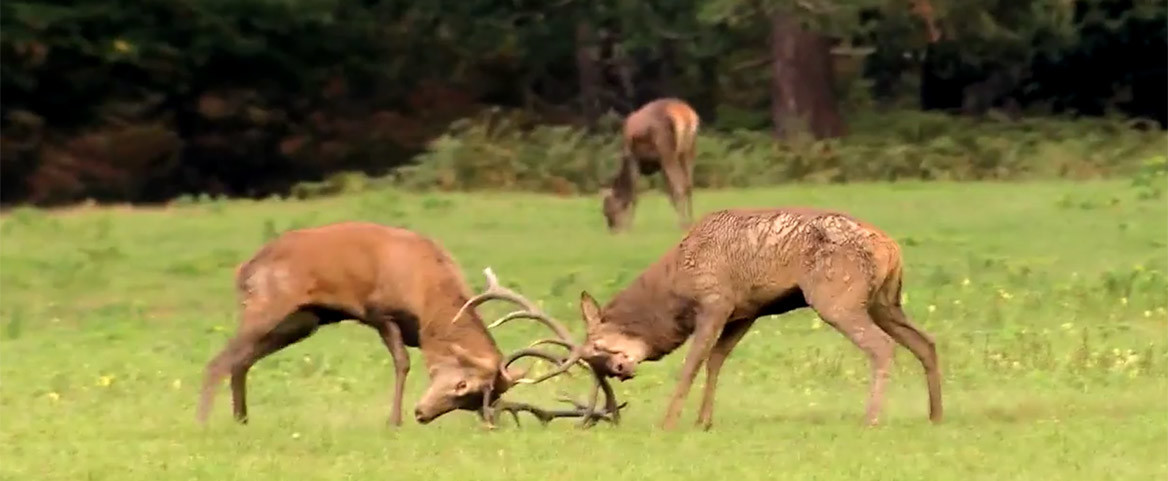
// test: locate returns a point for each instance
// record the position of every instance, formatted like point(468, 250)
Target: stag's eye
point(461, 386)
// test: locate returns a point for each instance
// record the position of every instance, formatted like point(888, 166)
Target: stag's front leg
point(391, 336)
point(710, 322)
point(731, 334)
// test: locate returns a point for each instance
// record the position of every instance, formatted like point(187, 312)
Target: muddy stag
point(403, 285)
point(658, 136)
point(737, 265)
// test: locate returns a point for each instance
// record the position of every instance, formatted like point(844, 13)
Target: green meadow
point(1047, 300)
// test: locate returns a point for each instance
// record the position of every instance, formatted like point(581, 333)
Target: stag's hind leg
point(845, 309)
point(218, 368)
point(292, 329)
point(259, 334)
point(859, 328)
point(892, 319)
point(677, 186)
point(687, 162)
point(676, 178)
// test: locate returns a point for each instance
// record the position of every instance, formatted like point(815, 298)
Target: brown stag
point(400, 283)
point(737, 265)
point(660, 136)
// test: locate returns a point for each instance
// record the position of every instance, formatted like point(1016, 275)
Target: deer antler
point(495, 291)
point(588, 412)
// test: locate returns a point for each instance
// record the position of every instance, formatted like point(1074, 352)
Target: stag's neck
point(654, 310)
point(624, 183)
point(440, 330)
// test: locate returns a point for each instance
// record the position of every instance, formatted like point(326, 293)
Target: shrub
point(495, 151)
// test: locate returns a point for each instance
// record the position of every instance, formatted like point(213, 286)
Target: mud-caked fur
point(737, 265)
point(402, 284)
point(660, 136)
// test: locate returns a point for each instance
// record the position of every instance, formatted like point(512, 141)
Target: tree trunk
point(588, 72)
point(626, 74)
point(706, 98)
point(802, 81)
point(666, 75)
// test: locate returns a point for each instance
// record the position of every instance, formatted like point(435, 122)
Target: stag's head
point(475, 382)
point(617, 210)
point(607, 348)
point(465, 381)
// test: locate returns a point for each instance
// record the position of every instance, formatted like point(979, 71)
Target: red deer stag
point(658, 136)
point(403, 285)
point(737, 265)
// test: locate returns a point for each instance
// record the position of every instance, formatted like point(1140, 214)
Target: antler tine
point(544, 319)
point(612, 408)
point(532, 352)
point(593, 398)
point(546, 415)
point(556, 342)
point(611, 405)
point(589, 414)
point(487, 295)
point(579, 405)
point(496, 291)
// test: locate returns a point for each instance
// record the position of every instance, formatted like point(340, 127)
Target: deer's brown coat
point(402, 284)
point(660, 136)
point(737, 265)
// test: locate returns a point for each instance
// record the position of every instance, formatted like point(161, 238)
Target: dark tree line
point(146, 99)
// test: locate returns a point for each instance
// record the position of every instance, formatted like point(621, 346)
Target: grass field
point(1047, 301)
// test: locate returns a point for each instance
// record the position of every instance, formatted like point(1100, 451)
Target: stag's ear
point(589, 309)
point(470, 360)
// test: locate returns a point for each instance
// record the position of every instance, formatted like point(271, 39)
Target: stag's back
point(353, 266)
point(658, 118)
point(757, 254)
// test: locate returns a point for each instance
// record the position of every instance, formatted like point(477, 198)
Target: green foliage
point(496, 153)
point(144, 101)
point(170, 49)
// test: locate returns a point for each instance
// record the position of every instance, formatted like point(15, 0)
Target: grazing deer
point(658, 136)
point(402, 284)
point(737, 265)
